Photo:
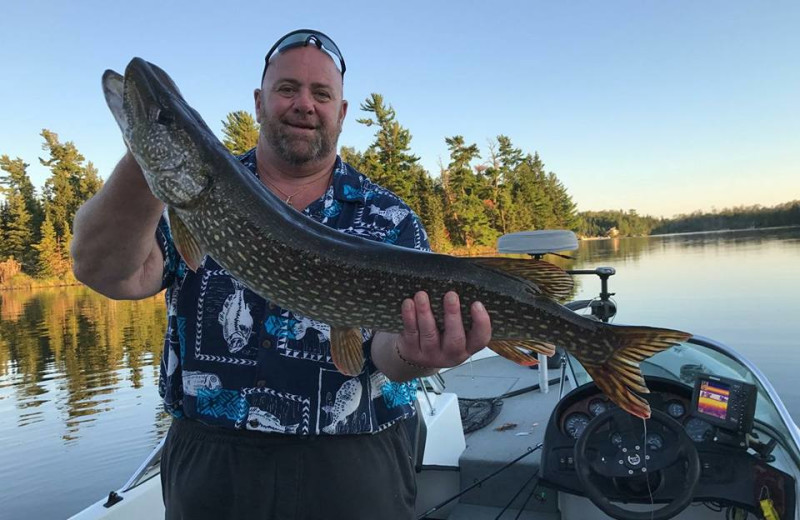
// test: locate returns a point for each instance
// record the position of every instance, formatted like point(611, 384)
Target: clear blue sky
point(661, 106)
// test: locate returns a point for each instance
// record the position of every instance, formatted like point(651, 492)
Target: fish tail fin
point(620, 377)
point(522, 351)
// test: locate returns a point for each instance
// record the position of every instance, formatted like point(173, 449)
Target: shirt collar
point(348, 184)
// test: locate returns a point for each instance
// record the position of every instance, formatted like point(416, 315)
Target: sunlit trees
point(241, 132)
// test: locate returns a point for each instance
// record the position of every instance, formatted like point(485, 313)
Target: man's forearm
point(114, 248)
point(387, 358)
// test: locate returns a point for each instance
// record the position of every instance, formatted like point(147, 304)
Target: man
point(265, 426)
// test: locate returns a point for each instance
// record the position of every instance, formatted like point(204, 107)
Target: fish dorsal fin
point(191, 252)
point(550, 279)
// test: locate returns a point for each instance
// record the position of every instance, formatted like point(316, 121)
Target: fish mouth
point(113, 90)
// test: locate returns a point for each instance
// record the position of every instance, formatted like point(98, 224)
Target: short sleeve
point(411, 233)
point(171, 257)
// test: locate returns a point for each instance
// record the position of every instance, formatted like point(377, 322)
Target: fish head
point(168, 139)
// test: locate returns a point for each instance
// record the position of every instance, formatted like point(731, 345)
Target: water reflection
point(632, 249)
point(74, 348)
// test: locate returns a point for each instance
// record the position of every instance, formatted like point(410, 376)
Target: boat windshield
point(684, 362)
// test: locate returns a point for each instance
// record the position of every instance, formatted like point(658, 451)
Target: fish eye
point(164, 117)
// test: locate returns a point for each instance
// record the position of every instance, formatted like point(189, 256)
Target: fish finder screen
point(713, 399)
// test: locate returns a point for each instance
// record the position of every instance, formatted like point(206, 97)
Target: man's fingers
point(410, 327)
point(481, 331)
point(428, 331)
point(454, 335)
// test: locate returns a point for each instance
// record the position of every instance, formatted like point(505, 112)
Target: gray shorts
point(215, 473)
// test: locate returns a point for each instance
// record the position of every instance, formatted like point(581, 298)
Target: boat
point(494, 440)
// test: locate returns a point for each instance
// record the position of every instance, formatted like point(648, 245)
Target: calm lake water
point(79, 406)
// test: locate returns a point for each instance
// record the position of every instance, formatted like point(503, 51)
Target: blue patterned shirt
point(235, 360)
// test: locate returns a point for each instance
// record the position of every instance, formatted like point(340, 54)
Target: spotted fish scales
point(218, 208)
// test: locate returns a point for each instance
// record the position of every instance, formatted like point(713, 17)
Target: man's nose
point(304, 102)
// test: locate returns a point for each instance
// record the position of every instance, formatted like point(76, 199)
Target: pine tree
point(565, 213)
point(431, 213)
point(388, 160)
point(353, 158)
point(50, 262)
point(532, 208)
point(88, 184)
point(17, 234)
point(22, 213)
point(16, 180)
point(241, 132)
point(61, 190)
point(504, 159)
point(466, 216)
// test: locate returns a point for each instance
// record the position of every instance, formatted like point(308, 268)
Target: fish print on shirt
point(262, 420)
point(347, 400)
point(394, 214)
point(376, 382)
point(195, 380)
point(236, 319)
point(305, 325)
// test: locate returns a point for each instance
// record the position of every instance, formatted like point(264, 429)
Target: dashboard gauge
point(597, 406)
point(676, 409)
point(575, 423)
point(698, 430)
point(654, 441)
point(616, 439)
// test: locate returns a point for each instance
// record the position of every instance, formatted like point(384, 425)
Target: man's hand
point(421, 349)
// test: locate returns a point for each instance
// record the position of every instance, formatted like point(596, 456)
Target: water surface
point(79, 406)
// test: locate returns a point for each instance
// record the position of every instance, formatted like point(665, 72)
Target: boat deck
point(518, 428)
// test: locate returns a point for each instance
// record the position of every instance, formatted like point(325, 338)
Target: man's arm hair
point(114, 247)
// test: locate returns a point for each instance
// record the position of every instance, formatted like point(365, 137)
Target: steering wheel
point(628, 457)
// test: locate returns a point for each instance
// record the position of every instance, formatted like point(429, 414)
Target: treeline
point(629, 223)
point(475, 198)
point(616, 223)
point(36, 229)
point(739, 217)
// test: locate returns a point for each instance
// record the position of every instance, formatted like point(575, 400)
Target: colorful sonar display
point(713, 399)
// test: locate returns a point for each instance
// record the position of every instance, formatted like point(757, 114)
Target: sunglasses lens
point(303, 38)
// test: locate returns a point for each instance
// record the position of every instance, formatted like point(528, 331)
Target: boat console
point(698, 446)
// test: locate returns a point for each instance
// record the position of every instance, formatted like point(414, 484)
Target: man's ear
point(257, 100)
point(343, 112)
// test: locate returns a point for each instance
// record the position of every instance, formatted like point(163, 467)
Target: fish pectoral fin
point(521, 351)
point(550, 280)
point(620, 376)
point(185, 243)
point(347, 350)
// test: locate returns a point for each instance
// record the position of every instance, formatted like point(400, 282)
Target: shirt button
point(261, 383)
point(266, 343)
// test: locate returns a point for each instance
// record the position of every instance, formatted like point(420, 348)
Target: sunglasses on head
point(303, 38)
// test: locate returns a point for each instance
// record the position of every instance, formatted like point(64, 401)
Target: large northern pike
point(218, 207)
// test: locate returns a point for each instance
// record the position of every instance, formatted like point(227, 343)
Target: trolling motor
point(539, 243)
point(550, 242)
point(604, 308)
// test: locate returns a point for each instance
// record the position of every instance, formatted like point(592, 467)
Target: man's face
point(300, 107)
